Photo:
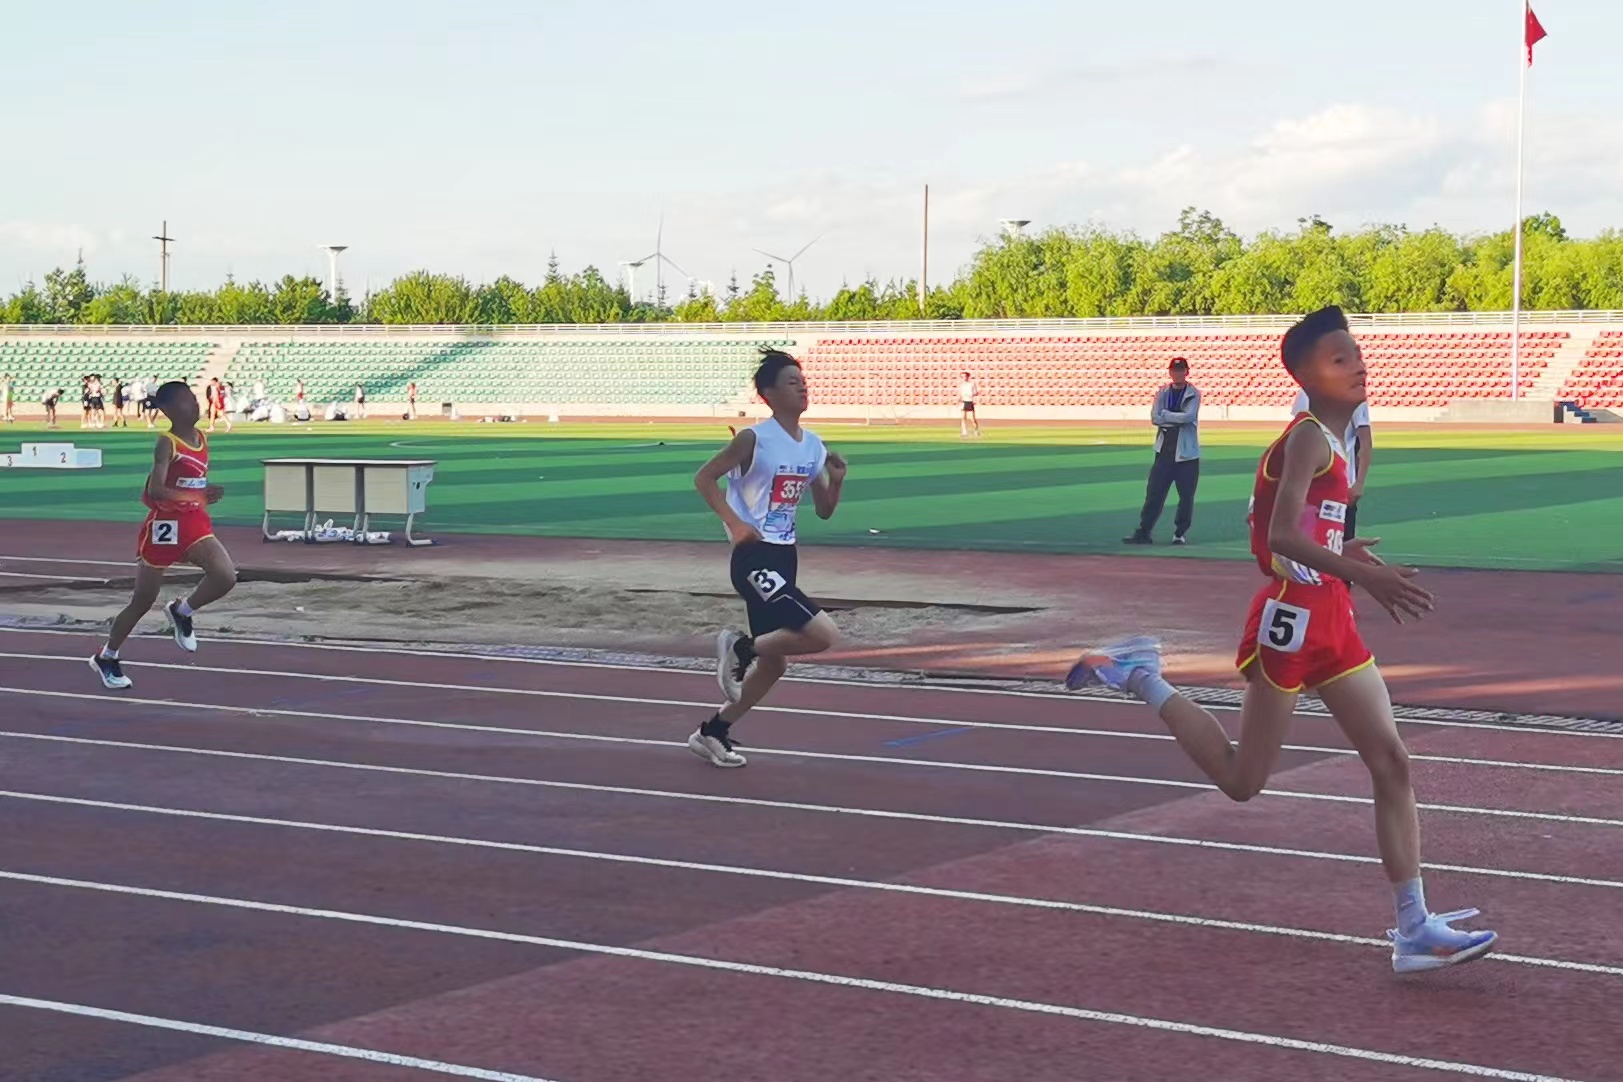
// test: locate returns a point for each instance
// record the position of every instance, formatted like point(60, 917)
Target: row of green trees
point(1200, 268)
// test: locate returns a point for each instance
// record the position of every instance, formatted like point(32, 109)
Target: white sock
point(1151, 687)
point(109, 653)
point(182, 608)
point(1409, 897)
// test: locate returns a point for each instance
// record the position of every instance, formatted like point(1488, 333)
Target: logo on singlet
point(192, 482)
point(1333, 511)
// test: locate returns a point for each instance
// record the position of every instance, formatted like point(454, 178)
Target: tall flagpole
point(1516, 274)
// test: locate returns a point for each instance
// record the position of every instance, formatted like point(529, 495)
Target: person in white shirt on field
point(966, 396)
point(1360, 447)
point(768, 468)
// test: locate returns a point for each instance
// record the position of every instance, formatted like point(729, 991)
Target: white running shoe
point(181, 627)
point(1435, 945)
point(735, 653)
point(715, 747)
point(110, 671)
point(1112, 666)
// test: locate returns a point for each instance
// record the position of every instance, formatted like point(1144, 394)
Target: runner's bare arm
point(1307, 452)
point(826, 489)
point(736, 455)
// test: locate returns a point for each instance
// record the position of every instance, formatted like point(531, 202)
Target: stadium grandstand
point(1423, 365)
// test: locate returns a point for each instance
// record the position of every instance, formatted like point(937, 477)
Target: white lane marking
point(749, 871)
point(814, 977)
point(59, 560)
point(828, 756)
point(835, 809)
point(1317, 715)
point(53, 578)
point(272, 1040)
point(583, 696)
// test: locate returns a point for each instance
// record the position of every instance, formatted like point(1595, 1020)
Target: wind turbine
point(790, 263)
point(660, 260)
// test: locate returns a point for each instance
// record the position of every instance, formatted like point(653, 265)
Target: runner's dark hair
point(1306, 332)
point(166, 394)
point(773, 362)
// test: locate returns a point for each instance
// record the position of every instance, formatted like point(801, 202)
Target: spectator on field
point(1176, 416)
point(1360, 448)
point(967, 416)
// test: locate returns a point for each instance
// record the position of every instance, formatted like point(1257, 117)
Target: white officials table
point(362, 487)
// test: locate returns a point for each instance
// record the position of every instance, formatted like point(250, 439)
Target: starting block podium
point(52, 456)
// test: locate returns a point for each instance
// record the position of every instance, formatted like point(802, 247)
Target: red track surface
point(575, 1014)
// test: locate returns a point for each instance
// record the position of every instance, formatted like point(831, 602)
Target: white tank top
point(768, 493)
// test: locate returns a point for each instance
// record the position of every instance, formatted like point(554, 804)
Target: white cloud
point(1353, 163)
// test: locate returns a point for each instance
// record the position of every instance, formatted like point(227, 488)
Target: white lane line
point(53, 578)
point(815, 977)
point(749, 871)
point(826, 756)
point(696, 704)
point(296, 1044)
point(130, 563)
point(816, 680)
point(834, 809)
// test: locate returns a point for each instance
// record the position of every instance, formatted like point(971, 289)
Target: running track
point(376, 866)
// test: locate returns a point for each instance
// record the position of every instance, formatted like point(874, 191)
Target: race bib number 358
point(787, 488)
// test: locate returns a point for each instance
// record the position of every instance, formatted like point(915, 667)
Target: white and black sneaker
point(110, 671)
point(712, 743)
point(735, 653)
point(181, 626)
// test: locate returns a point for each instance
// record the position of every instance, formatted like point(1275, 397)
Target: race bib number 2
point(165, 531)
point(1283, 627)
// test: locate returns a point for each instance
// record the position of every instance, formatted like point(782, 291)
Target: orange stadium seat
point(1597, 382)
point(1424, 369)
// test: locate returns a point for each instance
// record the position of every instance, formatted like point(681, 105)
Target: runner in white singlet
point(769, 469)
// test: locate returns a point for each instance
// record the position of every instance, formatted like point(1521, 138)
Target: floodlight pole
point(332, 270)
point(924, 271)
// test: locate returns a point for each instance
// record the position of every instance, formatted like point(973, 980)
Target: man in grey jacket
point(1176, 416)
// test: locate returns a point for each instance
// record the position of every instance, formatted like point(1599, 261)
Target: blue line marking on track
point(934, 734)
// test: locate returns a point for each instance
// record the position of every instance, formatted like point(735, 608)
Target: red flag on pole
point(1535, 33)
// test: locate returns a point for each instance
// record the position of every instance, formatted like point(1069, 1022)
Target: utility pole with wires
point(163, 259)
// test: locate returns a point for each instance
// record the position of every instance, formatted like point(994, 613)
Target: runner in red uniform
point(1301, 634)
point(177, 529)
point(1305, 618)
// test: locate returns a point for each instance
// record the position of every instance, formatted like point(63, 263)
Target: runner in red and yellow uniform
point(1302, 633)
point(177, 530)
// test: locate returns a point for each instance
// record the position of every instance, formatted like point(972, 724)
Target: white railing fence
point(913, 328)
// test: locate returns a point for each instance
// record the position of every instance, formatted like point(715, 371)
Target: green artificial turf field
point(1437, 496)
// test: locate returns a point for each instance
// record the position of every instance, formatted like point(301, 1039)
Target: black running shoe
point(185, 636)
point(111, 672)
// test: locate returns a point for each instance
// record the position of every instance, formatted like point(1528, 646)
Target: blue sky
point(477, 137)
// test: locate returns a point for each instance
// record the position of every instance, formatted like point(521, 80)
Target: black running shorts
point(764, 576)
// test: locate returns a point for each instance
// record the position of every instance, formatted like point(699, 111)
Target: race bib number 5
point(1284, 627)
point(165, 531)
